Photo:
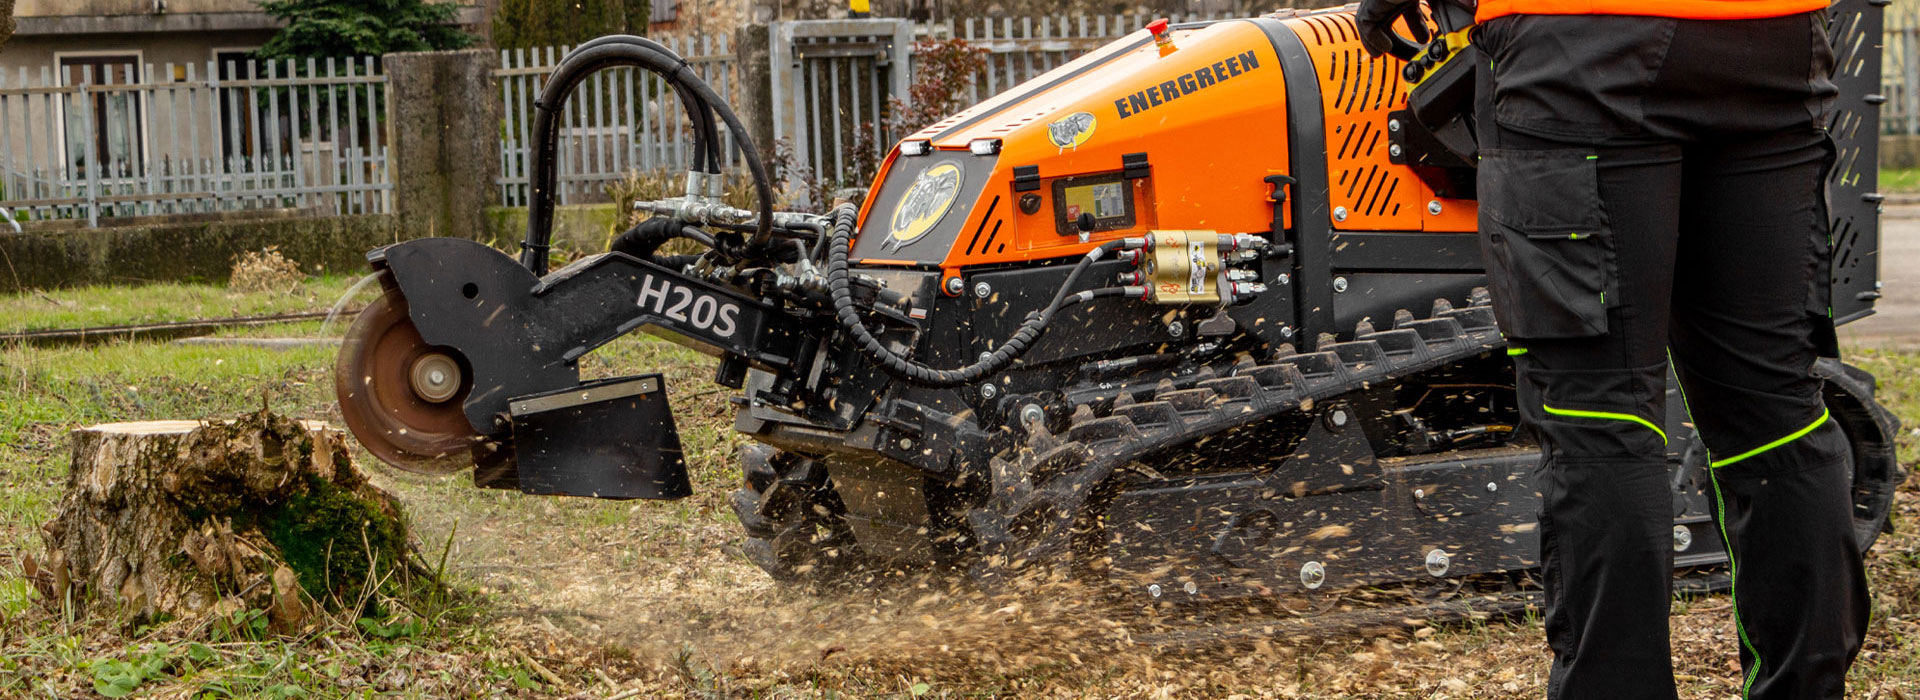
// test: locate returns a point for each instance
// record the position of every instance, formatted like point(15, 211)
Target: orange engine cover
point(1137, 136)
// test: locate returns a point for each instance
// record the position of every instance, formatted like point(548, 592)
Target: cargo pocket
point(1547, 241)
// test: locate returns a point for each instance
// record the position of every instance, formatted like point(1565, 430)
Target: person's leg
point(1752, 256)
point(1579, 245)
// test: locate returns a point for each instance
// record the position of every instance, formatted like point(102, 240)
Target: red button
point(1158, 26)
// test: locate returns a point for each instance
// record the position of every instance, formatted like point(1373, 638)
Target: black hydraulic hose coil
point(605, 53)
point(1029, 332)
point(706, 140)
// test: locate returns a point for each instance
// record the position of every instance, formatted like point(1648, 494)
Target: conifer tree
point(322, 28)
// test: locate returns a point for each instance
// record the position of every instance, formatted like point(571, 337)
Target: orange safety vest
point(1683, 9)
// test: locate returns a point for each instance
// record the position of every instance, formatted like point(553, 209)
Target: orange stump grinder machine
point(1198, 316)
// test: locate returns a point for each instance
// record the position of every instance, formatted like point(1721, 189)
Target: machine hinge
point(1026, 178)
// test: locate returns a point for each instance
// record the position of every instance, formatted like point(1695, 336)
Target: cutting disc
point(402, 397)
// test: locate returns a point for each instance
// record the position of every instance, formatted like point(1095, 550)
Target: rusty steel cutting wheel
point(402, 397)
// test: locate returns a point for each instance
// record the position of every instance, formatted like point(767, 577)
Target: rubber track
point(1039, 490)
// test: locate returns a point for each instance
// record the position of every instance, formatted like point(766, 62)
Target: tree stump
point(174, 519)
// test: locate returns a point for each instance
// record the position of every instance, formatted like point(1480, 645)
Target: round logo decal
point(926, 201)
point(1071, 130)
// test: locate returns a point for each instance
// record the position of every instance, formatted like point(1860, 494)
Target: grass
point(84, 307)
point(1900, 180)
point(578, 597)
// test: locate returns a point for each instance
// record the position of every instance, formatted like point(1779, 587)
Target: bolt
point(1032, 415)
point(1154, 590)
point(1339, 213)
point(982, 290)
point(1393, 125)
point(988, 391)
point(1312, 574)
point(1433, 207)
point(1286, 331)
point(1438, 562)
point(1338, 417)
point(1286, 278)
point(906, 443)
point(1393, 150)
point(956, 286)
point(1682, 538)
point(1339, 284)
point(1492, 487)
point(1419, 493)
point(1191, 588)
point(1176, 329)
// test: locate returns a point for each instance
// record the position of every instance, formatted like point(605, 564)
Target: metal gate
point(831, 80)
point(1853, 183)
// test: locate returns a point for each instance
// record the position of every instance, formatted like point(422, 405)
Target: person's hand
point(1375, 19)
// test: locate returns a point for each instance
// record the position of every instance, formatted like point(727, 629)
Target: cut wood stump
point(176, 519)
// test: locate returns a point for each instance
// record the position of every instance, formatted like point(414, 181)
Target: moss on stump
point(171, 519)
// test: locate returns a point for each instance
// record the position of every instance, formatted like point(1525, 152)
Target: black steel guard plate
point(612, 438)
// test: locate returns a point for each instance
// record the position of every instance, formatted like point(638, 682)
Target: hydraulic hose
point(840, 289)
point(646, 237)
point(706, 155)
point(639, 53)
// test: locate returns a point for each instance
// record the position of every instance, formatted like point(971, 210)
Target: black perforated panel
point(1855, 30)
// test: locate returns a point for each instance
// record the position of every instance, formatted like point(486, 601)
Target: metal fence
point(619, 121)
point(1900, 72)
point(830, 83)
point(90, 138)
point(1022, 48)
point(93, 138)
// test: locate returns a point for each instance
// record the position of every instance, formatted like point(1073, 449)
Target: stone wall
point(578, 229)
point(196, 251)
point(1900, 151)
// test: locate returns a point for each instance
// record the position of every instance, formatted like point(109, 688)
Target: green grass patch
point(45, 392)
point(85, 307)
point(1900, 180)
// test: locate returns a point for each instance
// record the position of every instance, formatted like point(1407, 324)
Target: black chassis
point(909, 460)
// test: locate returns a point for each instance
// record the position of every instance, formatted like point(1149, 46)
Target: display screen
point(1109, 198)
point(1105, 200)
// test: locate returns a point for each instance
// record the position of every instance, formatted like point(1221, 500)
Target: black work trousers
point(1652, 191)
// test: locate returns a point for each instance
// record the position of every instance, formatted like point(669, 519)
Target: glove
point(1375, 20)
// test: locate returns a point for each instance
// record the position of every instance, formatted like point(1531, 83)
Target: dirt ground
point(1896, 318)
point(667, 583)
point(577, 598)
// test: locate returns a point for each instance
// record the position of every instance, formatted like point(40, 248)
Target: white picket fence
point(619, 121)
point(1021, 48)
point(206, 137)
point(93, 141)
point(1900, 69)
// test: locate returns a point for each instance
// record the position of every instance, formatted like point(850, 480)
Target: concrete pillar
point(753, 55)
point(443, 135)
point(755, 105)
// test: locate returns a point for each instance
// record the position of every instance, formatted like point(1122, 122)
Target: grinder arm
point(522, 335)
